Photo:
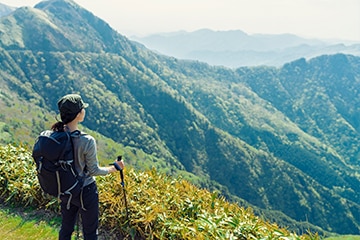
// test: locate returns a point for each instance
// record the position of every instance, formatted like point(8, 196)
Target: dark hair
point(59, 126)
point(68, 117)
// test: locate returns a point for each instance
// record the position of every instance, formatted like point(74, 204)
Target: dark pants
point(89, 217)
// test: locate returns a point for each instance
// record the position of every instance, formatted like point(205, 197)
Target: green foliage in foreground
point(160, 207)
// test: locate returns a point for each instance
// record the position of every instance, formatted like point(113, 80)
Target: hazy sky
point(325, 19)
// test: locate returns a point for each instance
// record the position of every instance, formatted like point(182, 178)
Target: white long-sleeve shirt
point(86, 161)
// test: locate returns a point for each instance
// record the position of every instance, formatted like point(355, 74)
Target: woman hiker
point(72, 112)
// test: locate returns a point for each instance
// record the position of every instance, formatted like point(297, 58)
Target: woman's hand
point(117, 166)
point(120, 163)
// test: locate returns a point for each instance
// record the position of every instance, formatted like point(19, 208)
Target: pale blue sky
point(325, 19)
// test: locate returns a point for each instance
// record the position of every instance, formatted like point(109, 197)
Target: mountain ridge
point(235, 48)
point(249, 127)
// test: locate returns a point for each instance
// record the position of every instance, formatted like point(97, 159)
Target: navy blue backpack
point(53, 154)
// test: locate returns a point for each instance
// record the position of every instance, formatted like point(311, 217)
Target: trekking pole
point(123, 187)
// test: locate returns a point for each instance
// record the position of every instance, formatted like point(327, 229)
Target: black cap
point(71, 104)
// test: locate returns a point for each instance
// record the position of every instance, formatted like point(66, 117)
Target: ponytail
point(58, 127)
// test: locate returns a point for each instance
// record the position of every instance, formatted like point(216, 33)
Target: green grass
point(25, 226)
point(345, 237)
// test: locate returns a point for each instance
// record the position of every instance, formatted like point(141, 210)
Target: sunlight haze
point(322, 19)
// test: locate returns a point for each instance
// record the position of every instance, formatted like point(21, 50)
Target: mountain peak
point(61, 25)
point(5, 10)
point(58, 4)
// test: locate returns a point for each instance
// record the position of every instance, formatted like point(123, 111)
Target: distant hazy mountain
point(5, 10)
point(236, 48)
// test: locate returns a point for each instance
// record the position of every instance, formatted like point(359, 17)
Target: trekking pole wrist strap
point(117, 166)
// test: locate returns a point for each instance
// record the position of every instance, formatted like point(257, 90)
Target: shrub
point(158, 206)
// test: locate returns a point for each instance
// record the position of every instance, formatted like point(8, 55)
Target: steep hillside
point(284, 140)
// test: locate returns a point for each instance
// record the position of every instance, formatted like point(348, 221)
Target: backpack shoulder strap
point(68, 138)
